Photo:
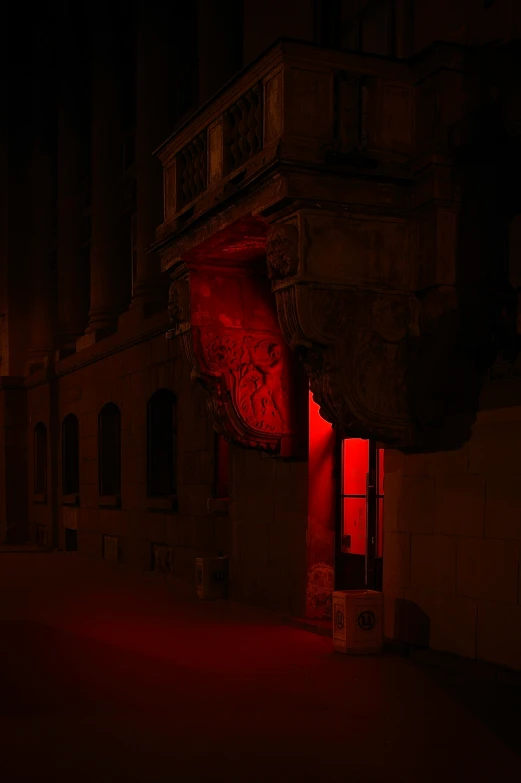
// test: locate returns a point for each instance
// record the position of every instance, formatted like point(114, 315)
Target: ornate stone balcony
point(314, 110)
point(332, 174)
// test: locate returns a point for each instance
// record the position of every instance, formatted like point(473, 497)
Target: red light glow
point(355, 469)
point(321, 467)
point(322, 492)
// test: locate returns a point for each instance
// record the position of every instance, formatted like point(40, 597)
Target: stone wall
point(128, 378)
point(269, 525)
point(451, 544)
point(265, 530)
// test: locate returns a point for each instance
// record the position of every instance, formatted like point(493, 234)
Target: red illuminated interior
point(362, 491)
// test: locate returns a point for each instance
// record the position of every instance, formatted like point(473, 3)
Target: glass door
point(359, 538)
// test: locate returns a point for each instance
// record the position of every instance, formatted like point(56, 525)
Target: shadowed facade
point(209, 215)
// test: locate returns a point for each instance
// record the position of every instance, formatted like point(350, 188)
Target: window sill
point(109, 501)
point(40, 497)
point(218, 505)
point(71, 500)
point(165, 503)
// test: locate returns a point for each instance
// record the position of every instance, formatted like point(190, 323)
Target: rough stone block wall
point(451, 545)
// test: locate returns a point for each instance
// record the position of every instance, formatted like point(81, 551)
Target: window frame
point(375, 499)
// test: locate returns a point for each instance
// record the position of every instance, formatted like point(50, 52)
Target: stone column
point(73, 268)
point(109, 262)
point(42, 174)
point(155, 120)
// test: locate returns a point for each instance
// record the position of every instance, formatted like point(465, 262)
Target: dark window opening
point(71, 540)
point(40, 459)
point(368, 27)
point(162, 438)
point(70, 455)
point(109, 450)
point(221, 467)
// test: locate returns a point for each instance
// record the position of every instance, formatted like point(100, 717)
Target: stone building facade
point(260, 267)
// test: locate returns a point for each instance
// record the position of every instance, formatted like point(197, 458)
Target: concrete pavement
point(109, 675)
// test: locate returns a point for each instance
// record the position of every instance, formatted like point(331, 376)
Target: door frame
point(358, 572)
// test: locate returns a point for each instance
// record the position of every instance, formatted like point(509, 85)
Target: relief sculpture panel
point(238, 354)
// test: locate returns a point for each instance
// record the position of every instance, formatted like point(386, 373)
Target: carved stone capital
point(282, 251)
point(179, 304)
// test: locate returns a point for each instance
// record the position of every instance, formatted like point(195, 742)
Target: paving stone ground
point(109, 675)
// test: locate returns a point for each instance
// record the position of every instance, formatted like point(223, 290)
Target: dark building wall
point(184, 55)
point(265, 22)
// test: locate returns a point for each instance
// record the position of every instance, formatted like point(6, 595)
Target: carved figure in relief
point(266, 358)
point(282, 251)
point(226, 353)
point(256, 376)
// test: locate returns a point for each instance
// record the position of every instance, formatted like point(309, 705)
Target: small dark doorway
point(360, 518)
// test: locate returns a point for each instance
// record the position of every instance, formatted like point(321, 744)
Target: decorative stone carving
point(282, 251)
point(237, 353)
point(179, 304)
point(353, 344)
point(257, 376)
point(320, 584)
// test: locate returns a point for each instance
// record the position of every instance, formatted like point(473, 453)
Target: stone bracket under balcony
point(225, 316)
point(352, 339)
point(384, 359)
point(342, 170)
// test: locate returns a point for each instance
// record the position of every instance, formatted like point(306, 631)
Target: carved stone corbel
point(352, 341)
point(353, 345)
point(383, 361)
point(230, 336)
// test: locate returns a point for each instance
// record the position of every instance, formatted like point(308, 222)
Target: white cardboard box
point(357, 622)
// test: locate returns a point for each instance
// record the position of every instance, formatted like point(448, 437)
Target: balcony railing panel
point(310, 107)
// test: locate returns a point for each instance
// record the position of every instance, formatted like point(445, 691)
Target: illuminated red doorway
point(359, 539)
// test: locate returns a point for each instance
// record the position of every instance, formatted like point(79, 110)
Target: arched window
point(70, 455)
point(109, 450)
point(40, 459)
point(161, 443)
